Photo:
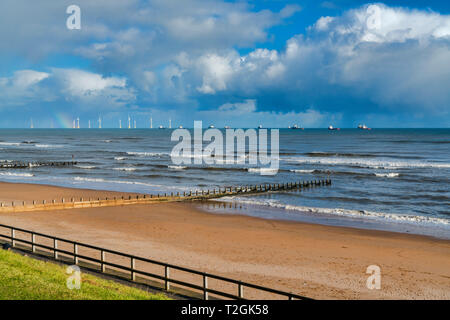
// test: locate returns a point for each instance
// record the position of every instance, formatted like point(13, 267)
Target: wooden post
point(75, 253)
point(241, 291)
point(166, 276)
point(33, 240)
point(55, 247)
point(205, 287)
point(133, 266)
point(13, 235)
point(103, 259)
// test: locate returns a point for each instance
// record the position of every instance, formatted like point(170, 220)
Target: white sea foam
point(302, 171)
point(177, 167)
point(48, 146)
point(365, 163)
point(10, 143)
point(148, 154)
point(119, 158)
point(388, 175)
point(14, 174)
point(105, 181)
point(363, 214)
point(260, 170)
point(85, 167)
point(125, 169)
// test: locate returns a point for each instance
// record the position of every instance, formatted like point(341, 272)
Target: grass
point(24, 278)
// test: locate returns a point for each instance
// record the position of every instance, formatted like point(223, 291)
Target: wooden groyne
point(196, 195)
point(24, 165)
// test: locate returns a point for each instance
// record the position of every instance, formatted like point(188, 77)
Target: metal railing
point(56, 252)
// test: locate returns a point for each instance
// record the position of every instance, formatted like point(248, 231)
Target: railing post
point(33, 240)
point(13, 235)
point(167, 276)
point(103, 258)
point(205, 287)
point(241, 291)
point(75, 253)
point(133, 266)
point(55, 247)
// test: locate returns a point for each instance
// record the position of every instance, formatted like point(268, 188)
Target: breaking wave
point(363, 214)
point(364, 163)
point(13, 174)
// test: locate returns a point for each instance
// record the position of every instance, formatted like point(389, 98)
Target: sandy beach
point(317, 261)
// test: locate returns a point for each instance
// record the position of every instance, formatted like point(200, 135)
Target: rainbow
point(63, 120)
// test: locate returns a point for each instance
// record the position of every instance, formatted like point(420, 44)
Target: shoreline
point(323, 262)
point(316, 216)
point(308, 215)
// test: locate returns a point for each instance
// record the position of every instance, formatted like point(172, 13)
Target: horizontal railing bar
point(118, 266)
point(244, 284)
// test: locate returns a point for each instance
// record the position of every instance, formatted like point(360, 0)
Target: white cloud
point(26, 78)
point(323, 23)
point(81, 83)
point(245, 114)
point(399, 61)
point(27, 87)
point(22, 87)
point(216, 71)
point(239, 108)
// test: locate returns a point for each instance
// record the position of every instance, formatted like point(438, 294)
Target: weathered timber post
point(205, 287)
point(133, 266)
point(166, 278)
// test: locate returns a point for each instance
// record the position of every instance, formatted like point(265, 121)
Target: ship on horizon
point(363, 127)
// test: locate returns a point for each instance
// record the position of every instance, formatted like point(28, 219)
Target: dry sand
point(313, 260)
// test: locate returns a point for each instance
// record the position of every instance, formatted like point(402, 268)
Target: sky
point(237, 63)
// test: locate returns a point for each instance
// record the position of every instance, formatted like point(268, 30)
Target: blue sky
point(237, 63)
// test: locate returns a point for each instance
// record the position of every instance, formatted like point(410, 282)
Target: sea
point(383, 179)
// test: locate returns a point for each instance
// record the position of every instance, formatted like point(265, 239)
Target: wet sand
point(318, 261)
point(19, 192)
